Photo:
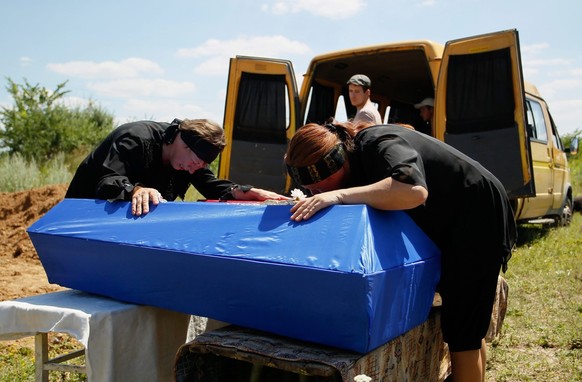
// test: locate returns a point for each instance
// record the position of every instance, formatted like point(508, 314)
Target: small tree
point(39, 127)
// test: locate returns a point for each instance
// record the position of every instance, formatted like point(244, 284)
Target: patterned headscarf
point(322, 169)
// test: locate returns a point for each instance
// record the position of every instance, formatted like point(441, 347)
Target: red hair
point(312, 142)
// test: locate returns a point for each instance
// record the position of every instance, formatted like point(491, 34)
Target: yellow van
point(482, 107)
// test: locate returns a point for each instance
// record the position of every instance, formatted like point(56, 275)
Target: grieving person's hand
point(306, 208)
point(258, 194)
point(141, 199)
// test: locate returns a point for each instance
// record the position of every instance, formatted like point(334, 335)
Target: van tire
point(565, 218)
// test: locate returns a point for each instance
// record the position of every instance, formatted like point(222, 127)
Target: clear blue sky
point(163, 59)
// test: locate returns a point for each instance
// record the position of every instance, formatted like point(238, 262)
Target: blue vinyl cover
point(351, 277)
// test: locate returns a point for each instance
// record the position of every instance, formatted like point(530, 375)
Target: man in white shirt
point(359, 90)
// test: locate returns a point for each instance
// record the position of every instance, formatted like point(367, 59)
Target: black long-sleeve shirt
point(467, 207)
point(131, 155)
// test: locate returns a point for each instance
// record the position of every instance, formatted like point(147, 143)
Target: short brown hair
point(207, 129)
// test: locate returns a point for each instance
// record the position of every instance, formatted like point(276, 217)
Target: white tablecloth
point(123, 342)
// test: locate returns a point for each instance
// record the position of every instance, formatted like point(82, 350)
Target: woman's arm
point(387, 194)
point(212, 187)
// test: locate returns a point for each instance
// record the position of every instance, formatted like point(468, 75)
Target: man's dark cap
point(360, 79)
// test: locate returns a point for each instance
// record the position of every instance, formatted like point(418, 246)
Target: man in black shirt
point(150, 162)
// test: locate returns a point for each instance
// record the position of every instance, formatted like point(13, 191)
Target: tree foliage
point(39, 127)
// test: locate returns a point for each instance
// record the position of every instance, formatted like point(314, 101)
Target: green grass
point(17, 362)
point(17, 174)
point(542, 333)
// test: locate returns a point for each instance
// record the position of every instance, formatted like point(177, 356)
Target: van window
point(386, 114)
point(480, 92)
point(259, 132)
point(261, 112)
point(321, 104)
point(535, 121)
point(555, 136)
point(341, 113)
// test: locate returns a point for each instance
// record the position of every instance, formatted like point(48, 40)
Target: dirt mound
point(21, 273)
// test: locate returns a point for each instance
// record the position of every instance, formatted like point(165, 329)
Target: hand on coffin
point(141, 199)
point(258, 194)
point(306, 208)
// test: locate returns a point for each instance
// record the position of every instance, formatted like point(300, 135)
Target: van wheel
point(565, 219)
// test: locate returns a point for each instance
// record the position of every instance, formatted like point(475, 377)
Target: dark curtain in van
point(260, 110)
point(351, 110)
point(321, 105)
point(480, 92)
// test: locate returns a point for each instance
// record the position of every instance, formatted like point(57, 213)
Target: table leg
point(40, 357)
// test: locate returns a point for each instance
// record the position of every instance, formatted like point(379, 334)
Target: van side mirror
point(574, 146)
point(573, 149)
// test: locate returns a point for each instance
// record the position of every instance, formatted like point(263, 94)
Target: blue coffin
point(352, 277)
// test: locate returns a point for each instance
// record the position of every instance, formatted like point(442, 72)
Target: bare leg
point(483, 357)
point(468, 366)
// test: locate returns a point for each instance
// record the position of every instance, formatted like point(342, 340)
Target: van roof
point(433, 49)
point(531, 89)
point(401, 71)
point(407, 65)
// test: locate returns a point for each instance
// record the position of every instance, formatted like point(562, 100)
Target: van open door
point(259, 118)
point(479, 107)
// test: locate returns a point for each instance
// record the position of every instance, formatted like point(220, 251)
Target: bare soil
point(21, 273)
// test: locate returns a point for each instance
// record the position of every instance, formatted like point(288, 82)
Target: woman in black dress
point(460, 205)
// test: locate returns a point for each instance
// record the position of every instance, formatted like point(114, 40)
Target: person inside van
point(359, 91)
point(426, 110)
point(397, 168)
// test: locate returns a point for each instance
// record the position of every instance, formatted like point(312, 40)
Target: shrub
point(39, 126)
point(17, 174)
